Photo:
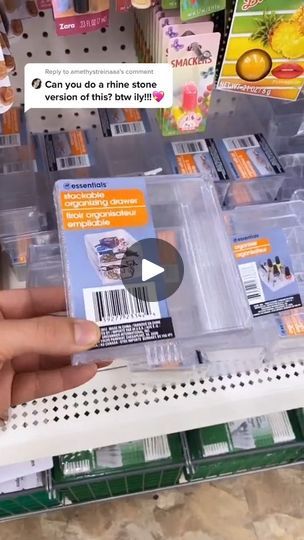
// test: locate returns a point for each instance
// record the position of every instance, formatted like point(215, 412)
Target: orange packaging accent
point(103, 209)
point(11, 121)
point(251, 248)
point(78, 143)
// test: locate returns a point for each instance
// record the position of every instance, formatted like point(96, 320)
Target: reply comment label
point(53, 86)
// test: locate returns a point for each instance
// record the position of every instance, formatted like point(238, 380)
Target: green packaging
point(192, 9)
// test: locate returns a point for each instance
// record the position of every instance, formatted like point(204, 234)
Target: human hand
point(35, 349)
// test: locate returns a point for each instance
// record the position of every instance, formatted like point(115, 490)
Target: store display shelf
point(112, 409)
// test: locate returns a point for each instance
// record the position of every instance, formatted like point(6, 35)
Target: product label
point(123, 5)
point(44, 4)
point(198, 156)
point(80, 16)
point(193, 10)
point(10, 128)
point(17, 167)
point(291, 324)
point(266, 271)
point(265, 50)
point(123, 122)
point(251, 433)
point(67, 150)
point(193, 62)
point(248, 157)
point(100, 221)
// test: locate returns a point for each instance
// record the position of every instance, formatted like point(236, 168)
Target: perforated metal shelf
point(112, 408)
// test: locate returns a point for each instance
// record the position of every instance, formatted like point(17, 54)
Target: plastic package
point(210, 300)
point(276, 231)
point(246, 445)
point(16, 222)
point(245, 170)
point(136, 155)
point(120, 469)
point(17, 249)
point(44, 267)
point(294, 178)
point(47, 274)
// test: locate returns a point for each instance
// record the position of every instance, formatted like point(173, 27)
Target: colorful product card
point(246, 157)
point(181, 30)
point(266, 270)
point(193, 59)
point(12, 128)
point(197, 157)
point(63, 151)
point(79, 16)
point(170, 4)
point(124, 122)
point(265, 51)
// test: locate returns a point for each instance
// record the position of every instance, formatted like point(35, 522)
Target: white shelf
point(110, 409)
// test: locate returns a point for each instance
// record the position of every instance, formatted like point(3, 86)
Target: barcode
point(10, 140)
point(72, 162)
point(252, 283)
point(189, 147)
point(235, 143)
point(18, 166)
point(109, 457)
point(156, 448)
point(72, 468)
point(112, 305)
point(128, 128)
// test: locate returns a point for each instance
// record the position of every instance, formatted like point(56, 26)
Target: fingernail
point(86, 333)
point(3, 419)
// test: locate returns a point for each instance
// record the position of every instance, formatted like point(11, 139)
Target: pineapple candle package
point(265, 51)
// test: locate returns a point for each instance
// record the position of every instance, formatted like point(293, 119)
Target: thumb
point(54, 336)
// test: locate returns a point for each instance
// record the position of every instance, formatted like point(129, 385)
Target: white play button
point(150, 270)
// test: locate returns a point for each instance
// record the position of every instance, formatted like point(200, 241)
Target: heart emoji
point(158, 95)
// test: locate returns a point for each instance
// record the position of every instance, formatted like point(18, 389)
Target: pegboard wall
point(40, 43)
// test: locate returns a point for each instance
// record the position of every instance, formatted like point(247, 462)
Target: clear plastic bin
point(246, 192)
point(210, 306)
point(39, 253)
point(19, 221)
point(294, 177)
point(44, 266)
point(46, 274)
point(17, 249)
point(18, 191)
point(285, 339)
